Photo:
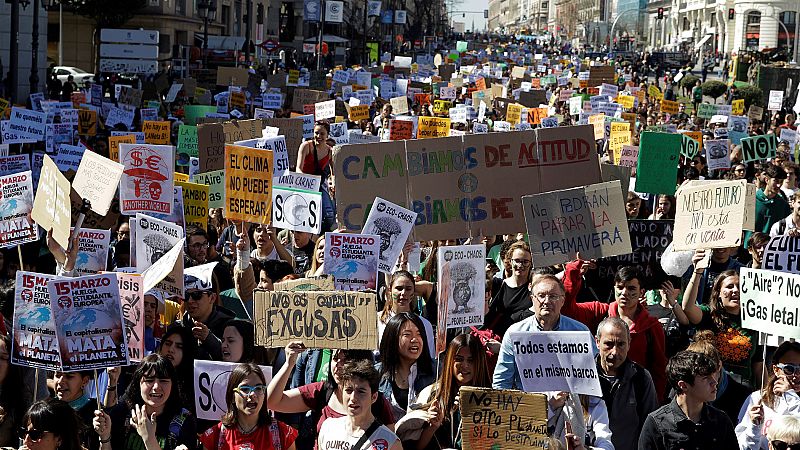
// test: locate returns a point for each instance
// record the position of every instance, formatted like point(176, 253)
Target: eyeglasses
point(200, 245)
point(739, 170)
point(780, 445)
point(548, 297)
point(36, 435)
point(195, 295)
point(789, 369)
point(246, 390)
point(521, 262)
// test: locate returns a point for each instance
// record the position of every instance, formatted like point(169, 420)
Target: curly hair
point(716, 309)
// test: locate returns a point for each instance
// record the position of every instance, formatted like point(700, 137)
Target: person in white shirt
point(789, 225)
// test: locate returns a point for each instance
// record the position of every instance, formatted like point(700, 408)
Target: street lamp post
point(207, 10)
point(34, 77)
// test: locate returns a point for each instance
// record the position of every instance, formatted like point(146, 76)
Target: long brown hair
point(387, 307)
point(446, 388)
point(719, 316)
point(767, 394)
point(239, 374)
point(519, 245)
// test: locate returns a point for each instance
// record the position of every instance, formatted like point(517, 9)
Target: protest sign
point(775, 100)
point(88, 318)
point(232, 76)
point(589, 219)
point(432, 127)
point(215, 181)
point(156, 132)
point(324, 283)
point(69, 157)
point(393, 224)
point(27, 124)
point(597, 121)
point(737, 107)
point(195, 203)
point(154, 238)
point(769, 302)
point(755, 113)
point(34, 342)
point(759, 148)
point(131, 294)
point(690, 146)
point(87, 122)
point(669, 106)
point(92, 251)
point(212, 137)
point(629, 155)
point(307, 97)
point(502, 419)
point(556, 361)
point(248, 184)
point(717, 154)
point(321, 319)
point(657, 168)
point(14, 164)
point(462, 284)
point(115, 141)
point(400, 129)
point(617, 140)
point(325, 110)
point(782, 254)
point(358, 113)
point(649, 240)
point(211, 387)
point(97, 180)
point(146, 183)
point(626, 101)
point(706, 110)
point(166, 274)
point(187, 142)
point(352, 260)
point(399, 105)
point(712, 214)
point(51, 207)
point(297, 209)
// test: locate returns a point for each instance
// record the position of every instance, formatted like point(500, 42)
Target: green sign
point(193, 112)
point(759, 148)
point(706, 110)
point(689, 147)
point(187, 140)
point(657, 167)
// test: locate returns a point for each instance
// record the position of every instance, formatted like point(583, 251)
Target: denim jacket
point(416, 382)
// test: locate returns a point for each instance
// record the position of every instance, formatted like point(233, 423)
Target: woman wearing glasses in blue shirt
point(778, 398)
point(248, 424)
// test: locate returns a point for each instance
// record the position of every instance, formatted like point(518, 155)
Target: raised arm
point(690, 308)
point(278, 399)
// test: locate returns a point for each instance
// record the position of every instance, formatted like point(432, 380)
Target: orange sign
point(400, 129)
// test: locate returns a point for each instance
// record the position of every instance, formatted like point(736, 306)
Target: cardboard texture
point(307, 97)
point(51, 207)
point(232, 76)
point(701, 205)
point(321, 319)
point(306, 284)
point(212, 137)
point(502, 419)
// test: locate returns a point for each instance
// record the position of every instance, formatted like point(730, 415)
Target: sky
point(471, 5)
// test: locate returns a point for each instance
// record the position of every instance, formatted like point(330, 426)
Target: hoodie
point(648, 344)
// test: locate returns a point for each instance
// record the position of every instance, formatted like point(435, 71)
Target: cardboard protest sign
point(669, 106)
point(556, 361)
point(297, 209)
point(97, 180)
point(352, 260)
point(88, 319)
point(87, 122)
point(393, 224)
point(782, 254)
point(92, 251)
point(399, 105)
point(755, 113)
point(321, 319)
point(589, 219)
point(657, 168)
point(432, 127)
point(324, 283)
point(769, 302)
point(712, 214)
point(131, 294)
point(462, 284)
point(248, 184)
point(502, 419)
point(215, 181)
point(232, 76)
point(759, 148)
point(212, 137)
point(51, 207)
point(195, 203)
point(649, 240)
point(146, 183)
point(307, 97)
point(211, 387)
point(717, 154)
point(34, 342)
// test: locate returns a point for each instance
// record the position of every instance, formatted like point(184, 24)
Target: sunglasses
point(195, 295)
point(36, 435)
point(246, 390)
point(780, 445)
point(789, 369)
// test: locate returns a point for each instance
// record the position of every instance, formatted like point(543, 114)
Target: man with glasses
point(203, 315)
point(199, 251)
point(547, 294)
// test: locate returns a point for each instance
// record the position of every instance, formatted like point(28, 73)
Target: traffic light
point(660, 13)
point(731, 13)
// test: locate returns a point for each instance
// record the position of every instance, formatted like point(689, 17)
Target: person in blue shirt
point(547, 294)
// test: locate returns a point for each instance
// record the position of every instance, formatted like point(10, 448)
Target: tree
point(104, 14)
point(688, 81)
point(752, 95)
point(714, 88)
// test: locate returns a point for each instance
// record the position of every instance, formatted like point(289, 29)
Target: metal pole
point(611, 34)
point(34, 77)
point(205, 41)
point(319, 36)
point(60, 34)
point(13, 65)
point(249, 8)
point(366, 28)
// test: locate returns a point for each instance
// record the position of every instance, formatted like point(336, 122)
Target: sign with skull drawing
point(146, 184)
point(462, 284)
point(393, 224)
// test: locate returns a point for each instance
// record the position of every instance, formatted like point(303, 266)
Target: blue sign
point(387, 16)
point(312, 11)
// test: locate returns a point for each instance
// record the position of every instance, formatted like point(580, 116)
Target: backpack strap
point(374, 426)
point(275, 433)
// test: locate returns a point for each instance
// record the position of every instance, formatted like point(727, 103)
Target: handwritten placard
point(502, 419)
point(712, 214)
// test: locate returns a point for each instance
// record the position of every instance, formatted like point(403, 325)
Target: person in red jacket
point(647, 347)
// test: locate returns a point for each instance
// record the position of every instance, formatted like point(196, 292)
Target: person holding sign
point(314, 158)
point(778, 397)
point(688, 421)
point(464, 365)
point(359, 429)
point(152, 416)
point(742, 356)
point(50, 425)
point(248, 423)
point(69, 387)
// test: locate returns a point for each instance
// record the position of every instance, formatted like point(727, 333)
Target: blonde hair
point(785, 428)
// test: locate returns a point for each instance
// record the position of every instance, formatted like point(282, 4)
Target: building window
point(287, 23)
point(544, 6)
point(180, 7)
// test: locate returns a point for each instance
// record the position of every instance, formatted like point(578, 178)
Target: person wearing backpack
point(789, 225)
point(628, 389)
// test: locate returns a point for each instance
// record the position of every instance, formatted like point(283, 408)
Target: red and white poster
point(146, 184)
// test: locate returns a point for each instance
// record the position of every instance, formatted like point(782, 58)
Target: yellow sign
point(442, 106)
point(294, 77)
point(237, 100)
point(182, 177)
point(655, 92)
point(737, 107)
point(113, 145)
point(5, 108)
point(87, 122)
point(669, 107)
point(626, 101)
point(195, 203)
point(156, 132)
point(433, 127)
point(598, 121)
point(616, 140)
point(620, 126)
point(248, 184)
point(514, 113)
point(359, 112)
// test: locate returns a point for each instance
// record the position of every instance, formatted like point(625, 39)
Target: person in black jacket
point(204, 316)
point(687, 421)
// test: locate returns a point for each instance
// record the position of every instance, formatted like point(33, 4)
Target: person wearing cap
point(203, 315)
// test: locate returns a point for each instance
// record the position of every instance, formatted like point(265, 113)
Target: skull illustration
point(155, 190)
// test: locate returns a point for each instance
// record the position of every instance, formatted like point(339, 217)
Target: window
point(287, 23)
point(180, 7)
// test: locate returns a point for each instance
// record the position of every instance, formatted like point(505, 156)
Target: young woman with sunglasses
point(151, 416)
point(784, 434)
point(778, 398)
point(248, 424)
point(50, 425)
